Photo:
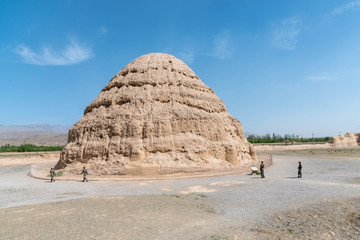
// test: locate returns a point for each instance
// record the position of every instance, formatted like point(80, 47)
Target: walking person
point(262, 166)
point(84, 173)
point(52, 175)
point(299, 170)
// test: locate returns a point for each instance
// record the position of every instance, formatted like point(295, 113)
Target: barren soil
point(309, 150)
point(11, 159)
point(322, 205)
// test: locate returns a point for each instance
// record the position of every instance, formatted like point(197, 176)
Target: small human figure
point(299, 170)
point(52, 175)
point(262, 166)
point(84, 173)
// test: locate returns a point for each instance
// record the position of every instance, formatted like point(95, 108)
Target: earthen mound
point(155, 117)
point(349, 140)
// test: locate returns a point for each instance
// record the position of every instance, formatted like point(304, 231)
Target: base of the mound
point(41, 171)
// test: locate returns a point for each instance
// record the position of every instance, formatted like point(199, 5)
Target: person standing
point(262, 166)
point(84, 173)
point(299, 170)
point(52, 175)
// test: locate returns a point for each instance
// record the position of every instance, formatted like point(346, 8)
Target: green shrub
point(277, 138)
point(29, 148)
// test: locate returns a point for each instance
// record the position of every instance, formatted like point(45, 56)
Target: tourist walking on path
point(262, 166)
point(299, 170)
point(84, 173)
point(52, 175)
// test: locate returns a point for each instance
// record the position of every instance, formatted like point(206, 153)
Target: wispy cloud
point(222, 45)
point(351, 6)
point(187, 56)
point(102, 30)
point(72, 53)
point(323, 77)
point(285, 34)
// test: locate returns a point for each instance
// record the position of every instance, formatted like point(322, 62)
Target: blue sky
point(280, 66)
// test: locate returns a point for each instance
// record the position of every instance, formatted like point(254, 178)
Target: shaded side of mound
point(348, 140)
point(156, 116)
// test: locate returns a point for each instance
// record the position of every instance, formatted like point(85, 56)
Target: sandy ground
point(261, 147)
point(314, 150)
point(11, 159)
point(322, 205)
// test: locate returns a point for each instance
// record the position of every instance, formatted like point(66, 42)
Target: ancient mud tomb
point(156, 117)
point(349, 140)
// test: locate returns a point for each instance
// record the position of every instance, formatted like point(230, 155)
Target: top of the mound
point(159, 71)
point(155, 69)
point(156, 60)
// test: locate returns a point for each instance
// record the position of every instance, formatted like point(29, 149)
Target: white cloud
point(222, 45)
point(285, 33)
point(72, 53)
point(323, 77)
point(102, 30)
point(351, 6)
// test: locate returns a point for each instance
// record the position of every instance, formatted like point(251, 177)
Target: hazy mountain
point(38, 134)
point(39, 140)
point(34, 127)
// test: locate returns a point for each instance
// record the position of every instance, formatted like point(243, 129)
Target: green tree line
point(29, 148)
point(278, 138)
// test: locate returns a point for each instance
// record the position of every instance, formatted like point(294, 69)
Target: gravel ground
point(327, 220)
point(136, 217)
point(224, 207)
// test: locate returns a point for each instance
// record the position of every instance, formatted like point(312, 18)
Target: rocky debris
point(348, 140)
point(156, 117)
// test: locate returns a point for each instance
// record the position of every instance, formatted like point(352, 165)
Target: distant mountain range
point(37, 134)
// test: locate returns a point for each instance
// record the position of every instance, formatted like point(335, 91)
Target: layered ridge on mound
point(157, 115)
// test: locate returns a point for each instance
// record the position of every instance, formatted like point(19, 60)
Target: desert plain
point(324, 204)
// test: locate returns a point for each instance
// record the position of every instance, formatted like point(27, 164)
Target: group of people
point(262, 167)
point(83, 172)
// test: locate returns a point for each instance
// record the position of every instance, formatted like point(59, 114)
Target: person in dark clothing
point(299, 170)
point(262, 166)
point(84, 173)
point(52, 175)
